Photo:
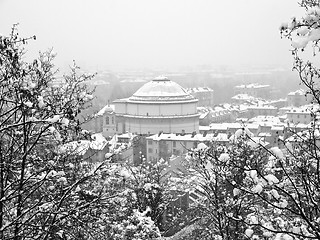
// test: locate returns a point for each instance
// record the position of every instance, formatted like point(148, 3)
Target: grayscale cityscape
point(167, 120)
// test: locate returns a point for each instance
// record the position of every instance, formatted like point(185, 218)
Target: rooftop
point(161, 89)
point(252, 85)
point(108, 108)
point(199, 89)
point(298, 92)
point(189, 137)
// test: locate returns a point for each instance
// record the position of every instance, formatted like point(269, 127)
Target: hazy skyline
point(147, 33)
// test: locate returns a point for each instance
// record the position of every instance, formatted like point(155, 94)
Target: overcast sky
point(154, 33)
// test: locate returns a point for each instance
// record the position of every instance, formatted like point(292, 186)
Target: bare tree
point(39, 183)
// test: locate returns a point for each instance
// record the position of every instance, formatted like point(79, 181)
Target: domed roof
point(161, 88)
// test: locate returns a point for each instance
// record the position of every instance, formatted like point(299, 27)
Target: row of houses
point(230, 113)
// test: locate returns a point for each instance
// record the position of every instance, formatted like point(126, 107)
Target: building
point(254, 90)
point(93, 150)
point(242, 98)
point(205, 95)
point(279, 103)
point(299, 98)
point(103, 122)
point(220, 114)
point(254, 111)
point(160, 105)
point(165, 145)
point(300, 115)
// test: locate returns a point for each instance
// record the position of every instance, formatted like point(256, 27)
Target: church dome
point(161, 89)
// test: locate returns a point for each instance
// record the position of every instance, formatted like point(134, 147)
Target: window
point(149, 142)
point(174, 144)
point(107, 120)
point(150, 150)
point(112, 120)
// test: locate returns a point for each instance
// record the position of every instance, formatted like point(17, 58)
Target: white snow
point(253, 174)
point(224, 157)
point(65, 122)
point(99, 141)
point(107, 108)
point(51, 129)
point(202, 146)
point(314, 34)
point(271, 179)
point(54, 119)
point(314, 11)
point(303, 30)
point(253, 219)
point(40, 102)
point(63, 180)
point(159, 78)
point(236, 191)
point(147, 186)
point(257, 189)
point(295, 229)
point(277, 152)
point(249, 232)
point(275, 194)
point(283, 203)
point(299, 41)
point(28, 104)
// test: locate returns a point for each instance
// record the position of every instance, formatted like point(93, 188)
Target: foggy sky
point(154, 33)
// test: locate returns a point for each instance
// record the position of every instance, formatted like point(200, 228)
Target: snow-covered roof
point(262, 120)
point(297, 92)
point(218, 108)
point(204, 128)
point(108, 108)
point(203, 115)
point(307, 109)
point(277, 127)
point(161, 78)
point(264, 134)
point(234, 125)
point(160, 88)
point(281, 100)
point(252, 125)
point(218, 126)
point(82, 146)
point(252, 85)
point(264, 107)
point(285, 109)
point(126, 135)
point(243, 96)
point(199, 89)
point(188, 137)
point(243, 107)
